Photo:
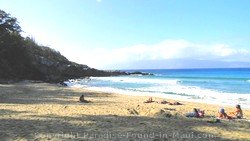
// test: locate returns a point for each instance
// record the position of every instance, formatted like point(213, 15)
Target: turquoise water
point(223, 80)
point(218, 86)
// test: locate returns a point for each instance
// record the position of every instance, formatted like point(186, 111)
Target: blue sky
point(115, 34)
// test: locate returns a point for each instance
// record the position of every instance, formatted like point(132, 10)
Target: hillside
point(21, 58)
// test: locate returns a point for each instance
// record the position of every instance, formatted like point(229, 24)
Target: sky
point(140, 34)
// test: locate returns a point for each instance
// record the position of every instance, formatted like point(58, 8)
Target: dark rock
point(139, 73)
point(63, 84)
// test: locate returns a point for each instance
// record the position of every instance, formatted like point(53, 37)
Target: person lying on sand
point(237, 113)
point(201, 113)
point(150, 100)
point(196, 113)
point(81, 99)
point(163, 102)
point(174, 103)
point(223, 115)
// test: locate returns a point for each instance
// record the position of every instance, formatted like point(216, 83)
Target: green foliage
point(46, 52)
point(16, 53)
point(8, 24)
point(22, 58)
point(14, 61)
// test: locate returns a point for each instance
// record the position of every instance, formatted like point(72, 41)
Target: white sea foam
point(170, 89)
point(137, 80)
point(75, 83)
point(200, 94)
point(196, 95)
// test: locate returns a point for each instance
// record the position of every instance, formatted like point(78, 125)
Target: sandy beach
point(41, 111)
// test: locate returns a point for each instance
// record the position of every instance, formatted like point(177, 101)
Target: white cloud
point(223, 50)
point(168, 49)
point(99, 0)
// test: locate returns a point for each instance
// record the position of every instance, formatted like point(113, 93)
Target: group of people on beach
point(150, 100)
point(237, 114)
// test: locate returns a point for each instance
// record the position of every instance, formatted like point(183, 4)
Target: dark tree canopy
point(8, 24)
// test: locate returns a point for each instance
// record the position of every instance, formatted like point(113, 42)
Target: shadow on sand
point(43, 93)
point(95, 127)
point(99, 128)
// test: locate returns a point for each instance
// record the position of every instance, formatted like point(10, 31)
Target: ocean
point(213, 86)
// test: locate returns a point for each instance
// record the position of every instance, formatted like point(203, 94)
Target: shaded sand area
point(40, 111)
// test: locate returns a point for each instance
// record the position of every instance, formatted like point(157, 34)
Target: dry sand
point(40, 111)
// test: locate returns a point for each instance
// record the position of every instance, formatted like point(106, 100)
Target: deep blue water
point(220, 86)
point(236, 80)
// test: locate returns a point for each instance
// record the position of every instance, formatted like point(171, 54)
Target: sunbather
point(237, 113)
point(81, 99)
point(163, 102)
point(201, 113)
point(150, 100)
point(223, 114)
point(195, 113)
point(174, 103)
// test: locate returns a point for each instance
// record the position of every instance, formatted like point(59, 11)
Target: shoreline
point(167, 88)
point(38, 111)
point(158, 96)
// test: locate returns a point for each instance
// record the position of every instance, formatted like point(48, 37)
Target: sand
point(41, 111)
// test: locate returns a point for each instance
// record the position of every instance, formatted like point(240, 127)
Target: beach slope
point(41, 111)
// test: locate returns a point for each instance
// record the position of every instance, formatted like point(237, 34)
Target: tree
point(9, 30)
point(8, 24)
point(12, 53)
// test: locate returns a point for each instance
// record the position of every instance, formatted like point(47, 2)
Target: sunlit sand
point(40, 111)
